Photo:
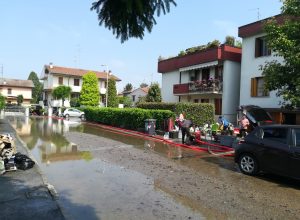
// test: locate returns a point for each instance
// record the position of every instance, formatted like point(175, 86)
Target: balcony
point(212, 86)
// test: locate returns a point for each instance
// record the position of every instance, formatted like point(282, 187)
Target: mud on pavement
point(209, 184)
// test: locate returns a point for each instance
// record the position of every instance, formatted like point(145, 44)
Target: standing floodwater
point(101, 174)
point(90, 187)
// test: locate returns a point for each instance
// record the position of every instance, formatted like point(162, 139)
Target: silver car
point(73, 112)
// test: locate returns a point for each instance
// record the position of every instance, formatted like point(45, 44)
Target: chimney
point(51, 65)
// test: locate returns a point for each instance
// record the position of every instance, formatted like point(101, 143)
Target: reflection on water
point(45, 138)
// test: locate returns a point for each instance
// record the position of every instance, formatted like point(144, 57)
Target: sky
point(66, 33)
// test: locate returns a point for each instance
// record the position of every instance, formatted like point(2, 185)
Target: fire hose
point(218, 150)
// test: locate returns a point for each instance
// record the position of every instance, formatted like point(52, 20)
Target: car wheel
point(67, 115)
point(248, 164)
point(82, 117)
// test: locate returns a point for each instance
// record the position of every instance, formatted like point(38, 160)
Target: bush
point(133, 118)
point(199, 113)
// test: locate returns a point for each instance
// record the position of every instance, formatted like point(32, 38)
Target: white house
point(206, 76)
point(138, 93)
point(55, 76)
point(256, 53)
point(12, 88)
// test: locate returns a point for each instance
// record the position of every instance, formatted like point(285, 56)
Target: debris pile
point(10, 159)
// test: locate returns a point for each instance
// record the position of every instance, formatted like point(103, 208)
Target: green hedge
point(158, 105)
point(199, 113)
point(133, 118)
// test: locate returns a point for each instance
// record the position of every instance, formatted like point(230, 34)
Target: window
point(276, 134)
point(258, 87)
point(196, 100)
point(204, 100)
point(60, 80)
point(133, 98)
point(261, 48)
point(9, 91)
point(76, 82)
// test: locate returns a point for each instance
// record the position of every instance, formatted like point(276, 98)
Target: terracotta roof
point(77, 72)
point(16, 83)
point(145, 89)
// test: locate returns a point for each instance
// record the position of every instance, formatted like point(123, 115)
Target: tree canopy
point(20, 99)
point(37, 89)
point(284, 41)
point(154, 93)
point(143, 85)
point(62, 92)
point(128, 87)
point(89, 95)
point(130, 18)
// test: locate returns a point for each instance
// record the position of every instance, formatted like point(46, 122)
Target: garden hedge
point(199, 113)
point(131, 118)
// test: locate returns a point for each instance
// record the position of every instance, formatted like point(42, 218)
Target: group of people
point(189, 130)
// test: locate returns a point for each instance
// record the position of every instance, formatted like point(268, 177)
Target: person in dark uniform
point(185, 129)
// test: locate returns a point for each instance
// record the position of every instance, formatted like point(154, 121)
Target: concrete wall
point(231, 89)
point(249, 69)
point(168, 80)
point(15, 91)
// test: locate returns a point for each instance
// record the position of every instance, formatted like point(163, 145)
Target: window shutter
point(253, 87)
point(257, 47)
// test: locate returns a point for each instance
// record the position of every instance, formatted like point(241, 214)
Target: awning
point(198, 66)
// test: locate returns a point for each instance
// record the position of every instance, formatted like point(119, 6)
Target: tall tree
point(130, 18)
point(89, 95)
point(284, 40)
point(154, 93)
point(112, 100)
point(128, 87)
point(37, 89)
point(62, 92)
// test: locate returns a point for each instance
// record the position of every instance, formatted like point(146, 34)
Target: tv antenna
point(257, 10)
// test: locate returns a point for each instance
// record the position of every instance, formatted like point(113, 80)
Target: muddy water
point(105, 175)
point(91, 188)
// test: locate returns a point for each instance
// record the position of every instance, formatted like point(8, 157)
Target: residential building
point(255, 54)
point(55, 76)
point(138, 93)
point(12, 88)
point(205, 76)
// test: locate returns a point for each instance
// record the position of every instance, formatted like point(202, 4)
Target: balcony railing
point(201, 87)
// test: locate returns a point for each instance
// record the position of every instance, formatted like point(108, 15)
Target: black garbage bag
point(23, 162)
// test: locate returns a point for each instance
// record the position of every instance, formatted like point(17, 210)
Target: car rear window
point(259, 115)
point(276, 134)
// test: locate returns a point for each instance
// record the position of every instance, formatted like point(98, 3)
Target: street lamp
point(106, 84)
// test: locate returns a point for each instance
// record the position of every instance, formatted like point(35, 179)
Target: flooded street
point(100, 174)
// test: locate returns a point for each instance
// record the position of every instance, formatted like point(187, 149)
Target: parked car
point(270, 148)
point(255, 114)
point(73, 112)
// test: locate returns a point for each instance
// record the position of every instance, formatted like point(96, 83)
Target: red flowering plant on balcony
point(203, 85)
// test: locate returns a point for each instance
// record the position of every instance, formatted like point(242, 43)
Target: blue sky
point(66, 32)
